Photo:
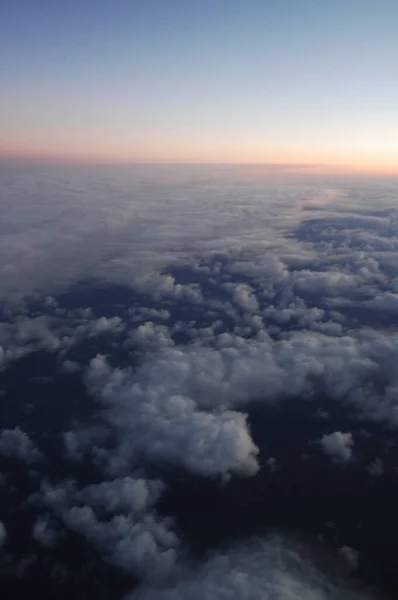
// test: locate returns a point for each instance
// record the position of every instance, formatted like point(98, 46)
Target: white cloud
point(180, 404)
point(234, 370)
point(24, 335)
point(151, 421)
point(273, 568)
point(384, 302)
point(131, 537)
point(150, 336)
point(15, 443)
point(123, 494)
point(338, 446)
point(244, 296)
point(43, 532)
point(70, 366)
point(145, 548)
point(92, 328)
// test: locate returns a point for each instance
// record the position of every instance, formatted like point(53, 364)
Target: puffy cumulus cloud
point(80, 440)
point(150, 336)
point(129, 534)
point(43, 532)
point(338, 446)
point(384, 302)
point(182, 405)
point(70, 366)
point(123, 494)
point(244, 296)
point(353, 369)
point(155, 422)
point(160, 286)
point(273, 568)
point(15, 443)
point(92, 328)
point(24, 335)
point(24, 330)
point(144, 548)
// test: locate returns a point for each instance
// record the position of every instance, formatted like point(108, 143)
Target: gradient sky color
point(249, 81)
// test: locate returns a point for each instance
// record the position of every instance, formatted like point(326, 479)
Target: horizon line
point(354, 168)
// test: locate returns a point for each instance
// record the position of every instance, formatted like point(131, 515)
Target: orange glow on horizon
point(254, 164)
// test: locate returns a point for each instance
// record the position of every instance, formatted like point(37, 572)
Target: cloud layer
point(171, 305)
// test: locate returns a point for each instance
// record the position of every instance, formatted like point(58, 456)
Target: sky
point(307, 82)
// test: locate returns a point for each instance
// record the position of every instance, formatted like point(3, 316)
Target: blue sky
point(253, 81)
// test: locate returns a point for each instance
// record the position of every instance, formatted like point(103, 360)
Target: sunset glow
point(259, 83)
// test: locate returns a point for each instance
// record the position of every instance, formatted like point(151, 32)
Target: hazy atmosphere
point(199, 300)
